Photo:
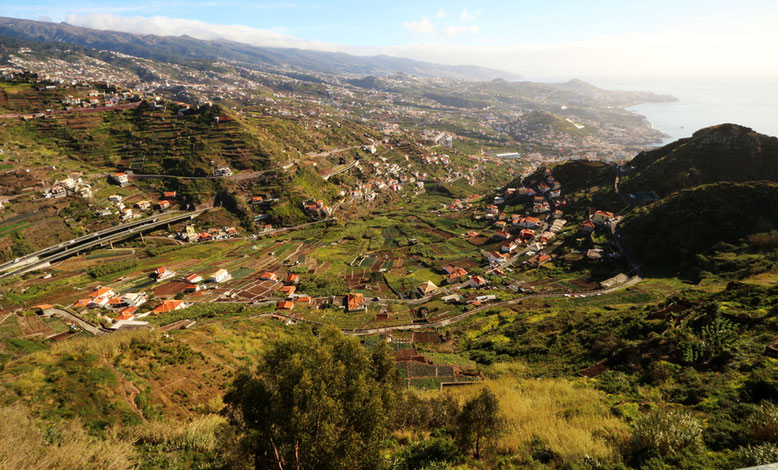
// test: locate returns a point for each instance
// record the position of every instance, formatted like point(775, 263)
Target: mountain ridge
point(187, 48)
point(725, 152)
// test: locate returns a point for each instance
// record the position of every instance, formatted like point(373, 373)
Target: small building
point(496, 257)
point(268, 276)
point(587, 226)
point(355, 301)
point(81, 303)
point(162, 273)
point(98, 302)
point(127, 313)
point(292, 278)
point(169, 306)
point(222, 171)
point(220, 276)
point(120, 178)
point(143, 205)
point(509, 247)
point(103, 292)
point(542, 259)
point(288, 290)
point(426, 288)
point(135, 299)
point(478, 282)
point(193, 278)
point(529, 222)
point(457, 275)
point(192, 288)
point(602, 217)
point(58, 192)
point(285, 305)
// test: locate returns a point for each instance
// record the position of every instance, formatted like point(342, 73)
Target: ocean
point(705, 102)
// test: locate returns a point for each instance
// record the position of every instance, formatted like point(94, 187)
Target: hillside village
point(162, 223)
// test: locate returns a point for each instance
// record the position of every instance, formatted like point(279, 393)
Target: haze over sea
point(706, 102)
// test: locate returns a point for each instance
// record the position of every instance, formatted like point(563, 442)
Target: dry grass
point(23, 445)
point(200, 434)
point(570, 417)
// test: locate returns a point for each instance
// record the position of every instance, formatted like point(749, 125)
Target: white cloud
point(709, 47)
point(689, 51)
point(441, 14)
point(466, 16)
point(164, 26)
point(456, 30)
point(423, 26)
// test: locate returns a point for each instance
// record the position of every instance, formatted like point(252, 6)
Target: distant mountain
point(727, 152)
point(615, 97)
point(185, 48)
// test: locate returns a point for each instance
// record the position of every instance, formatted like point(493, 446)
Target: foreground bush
point(315, 403)
point(664, 432)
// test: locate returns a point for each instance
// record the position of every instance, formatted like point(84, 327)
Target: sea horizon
point(704, 103)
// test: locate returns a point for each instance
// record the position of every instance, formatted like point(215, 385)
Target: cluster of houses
point(317, 208)
point(598, 218)
point(433, 137)
point(190, 234)
point(289, 289)
point(124, 306)
point(458, 205)
point(67, 186)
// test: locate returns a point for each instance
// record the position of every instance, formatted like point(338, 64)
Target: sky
point(543, 40)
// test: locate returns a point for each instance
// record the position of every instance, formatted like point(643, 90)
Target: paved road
point(330, 152)
point(341, 170)
point(70, 318)
point(86, 238)
point(63, 250)
point(450, 321)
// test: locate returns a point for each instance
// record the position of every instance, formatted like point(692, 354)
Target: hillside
point(186, 49)
point(546, 123)
point(726, 152)
point(673, 232)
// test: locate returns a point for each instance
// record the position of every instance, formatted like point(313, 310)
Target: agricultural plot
point(431, 376)
point(32, 325)
point(169, 289)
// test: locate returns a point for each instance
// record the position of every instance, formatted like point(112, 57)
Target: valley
point(167, 227)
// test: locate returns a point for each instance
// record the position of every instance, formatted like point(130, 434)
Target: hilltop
point(726, 152)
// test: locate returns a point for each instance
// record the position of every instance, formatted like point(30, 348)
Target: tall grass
point(201, 434)
point(26, 445)
point(570, 418)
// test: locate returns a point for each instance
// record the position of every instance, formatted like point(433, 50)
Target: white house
point(220, 276)
point(602, 217)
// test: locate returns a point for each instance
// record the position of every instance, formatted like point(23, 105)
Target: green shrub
point(376, 242)
point(436, 452)
point(321, 286)
point(665, 432)
point(763, 424)
point(112, 267)
point(761, 454)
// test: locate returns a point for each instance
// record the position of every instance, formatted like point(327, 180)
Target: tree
point(315, 403)
point(478, 421)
